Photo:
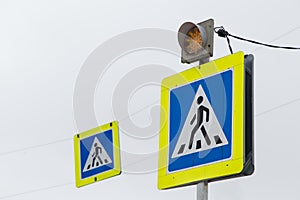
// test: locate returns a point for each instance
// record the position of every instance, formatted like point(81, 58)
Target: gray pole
point(202, 190)
point(202, 187)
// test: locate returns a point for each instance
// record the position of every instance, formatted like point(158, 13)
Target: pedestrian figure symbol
point(97, 156)
point(201, 129)
point(199, 122)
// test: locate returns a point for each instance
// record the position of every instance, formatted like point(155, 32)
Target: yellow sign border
point(231, 166)
point(116, 149)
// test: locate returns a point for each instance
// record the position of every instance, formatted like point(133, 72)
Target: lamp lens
point(193, 41)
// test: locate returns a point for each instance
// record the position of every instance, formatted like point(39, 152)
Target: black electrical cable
point(229, 45)
point(223, 33)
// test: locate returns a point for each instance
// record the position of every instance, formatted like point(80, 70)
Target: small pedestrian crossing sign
point(97, 155)
point(202, 126)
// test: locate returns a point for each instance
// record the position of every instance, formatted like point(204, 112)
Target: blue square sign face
point(200, 126)
point(96, 154)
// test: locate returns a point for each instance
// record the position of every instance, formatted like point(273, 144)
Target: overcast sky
point(44, 45)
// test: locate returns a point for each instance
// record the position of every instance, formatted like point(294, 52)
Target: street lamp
point(196, 41)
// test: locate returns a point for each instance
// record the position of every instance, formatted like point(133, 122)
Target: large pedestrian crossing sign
point(97, 155)
point(202, 123)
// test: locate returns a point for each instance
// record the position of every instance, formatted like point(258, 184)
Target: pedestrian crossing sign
point(97, 154)
point(202, 123)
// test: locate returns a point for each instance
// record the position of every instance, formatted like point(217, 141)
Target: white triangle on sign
point(97, 157)
point(196, 136)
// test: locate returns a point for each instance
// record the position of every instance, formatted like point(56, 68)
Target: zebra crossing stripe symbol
point(201, 130)
point(97, 156)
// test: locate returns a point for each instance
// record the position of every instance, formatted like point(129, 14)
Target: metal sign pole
point(202, 190)
point(202, 187)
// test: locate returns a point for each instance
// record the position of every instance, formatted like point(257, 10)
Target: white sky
point(43, 45)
